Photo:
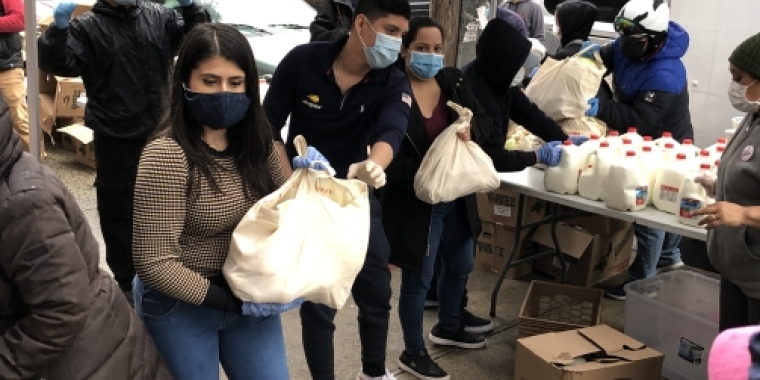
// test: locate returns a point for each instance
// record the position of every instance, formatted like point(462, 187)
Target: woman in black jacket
point(573, 21)
point(417, 232)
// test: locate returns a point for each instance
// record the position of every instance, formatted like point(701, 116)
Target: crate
point(675, 313)
point(550, 307)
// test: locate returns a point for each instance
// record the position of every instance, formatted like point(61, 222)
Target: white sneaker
point(387, 376)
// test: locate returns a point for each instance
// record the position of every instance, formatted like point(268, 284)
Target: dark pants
point(736, 308)
point(372, 294)
point(432, 293)
point(117, 161)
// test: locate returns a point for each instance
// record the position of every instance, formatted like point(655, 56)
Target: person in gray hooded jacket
point(333, 20)
point(533, 15)
point(733, 240)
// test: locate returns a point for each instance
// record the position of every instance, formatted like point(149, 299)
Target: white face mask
point(555, 29)
point(737, 93)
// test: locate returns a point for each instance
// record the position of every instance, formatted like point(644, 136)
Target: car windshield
point(258, 16)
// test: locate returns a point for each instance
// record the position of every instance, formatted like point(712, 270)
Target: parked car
point(272, 28)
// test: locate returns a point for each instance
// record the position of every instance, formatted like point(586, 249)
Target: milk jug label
point(668, 194)
point(642, 195)
point(689, 205)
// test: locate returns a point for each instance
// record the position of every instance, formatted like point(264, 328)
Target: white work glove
point(368, 172)
point(708, 181)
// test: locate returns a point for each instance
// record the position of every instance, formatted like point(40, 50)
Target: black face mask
point(632, 48)
point(218, 110)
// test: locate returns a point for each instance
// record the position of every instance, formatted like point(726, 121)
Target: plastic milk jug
point(593, 179)
point(627, 147)
point(627, 187)
point(563, 178)
point(689, 149)
point(647, 141)
point(713, 149)
point(650, 163)
point(668, 153)
point(668, 184)
point(693, 197)
point(591, 145)
point(613, 138)
point(634, 136)
point(667, 137)
point(705, 158)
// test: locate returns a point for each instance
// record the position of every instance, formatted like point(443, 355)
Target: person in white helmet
point(651, 91)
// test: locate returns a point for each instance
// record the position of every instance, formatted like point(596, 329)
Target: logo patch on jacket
point(406, 99)
point(649, 98)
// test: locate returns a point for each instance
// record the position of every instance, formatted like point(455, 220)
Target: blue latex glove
point(185, 3)
point(593, 107)
point(268, 309)
point(577, 140)
point(550, 153)
point(313, 160)
point(534, 71)
point(590, 52)
point(62, 14)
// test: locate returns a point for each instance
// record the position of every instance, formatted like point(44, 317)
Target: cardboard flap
point(575, 241)
point(560, 348)
point(79, 132)
point(610, 340)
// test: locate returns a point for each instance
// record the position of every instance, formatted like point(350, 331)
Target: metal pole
point(32, 77)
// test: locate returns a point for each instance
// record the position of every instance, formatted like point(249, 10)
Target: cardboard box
point(493, 247)
point(83, 140)
point(47, 113)
point(592, 259)
point(500, 207)
point(550, 307)
point(596, 224)
point(66, 94)
point(608, 354)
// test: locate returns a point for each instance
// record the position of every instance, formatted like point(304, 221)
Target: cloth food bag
point(453, 168)
point(306, 240)
point(562, 88)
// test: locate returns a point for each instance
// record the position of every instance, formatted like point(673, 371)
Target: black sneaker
point(616, 293)
point(474, 324)
point(460, 338)
point(421, 366)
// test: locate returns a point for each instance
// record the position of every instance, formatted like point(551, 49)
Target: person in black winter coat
point(573, 21)
point(500, 53)
point(333, 20)
point(417, 232)
point(123, 51)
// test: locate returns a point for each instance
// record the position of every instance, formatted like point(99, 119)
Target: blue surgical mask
point(218, 110)
point(126, 2)
point(425, 65)
point(385, 52)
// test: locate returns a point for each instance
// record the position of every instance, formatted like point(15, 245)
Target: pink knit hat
point(729, 357)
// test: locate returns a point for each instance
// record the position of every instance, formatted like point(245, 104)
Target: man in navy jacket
point(344, 96)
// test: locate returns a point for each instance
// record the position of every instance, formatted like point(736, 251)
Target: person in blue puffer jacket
point(652, 95)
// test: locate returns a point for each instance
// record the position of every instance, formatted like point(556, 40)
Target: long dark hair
point(249, 141)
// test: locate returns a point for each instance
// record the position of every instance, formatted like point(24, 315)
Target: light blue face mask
point(425, 65)
point(385, 51)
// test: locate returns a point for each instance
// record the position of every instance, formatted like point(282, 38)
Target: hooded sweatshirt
point(333, 21)
point(531, 13)
point(575, 19)
point(500, 53)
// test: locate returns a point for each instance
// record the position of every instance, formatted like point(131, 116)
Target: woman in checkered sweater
point(211, 160)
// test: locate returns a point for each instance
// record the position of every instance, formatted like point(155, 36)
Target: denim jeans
point(450, 238)
point(372, 295)
point(654, 248)
point(193, 340)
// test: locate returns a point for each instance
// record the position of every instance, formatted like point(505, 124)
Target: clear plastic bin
point(675, 313)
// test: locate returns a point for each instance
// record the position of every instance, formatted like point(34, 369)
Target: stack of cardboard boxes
point(59, 110)
point(598, 249)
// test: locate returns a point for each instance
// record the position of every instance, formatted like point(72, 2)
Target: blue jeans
point(654, 248)
point(449, 237)
point(193, 340)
